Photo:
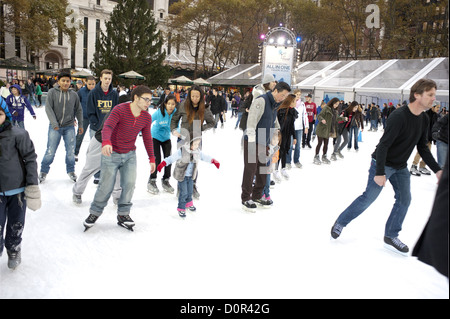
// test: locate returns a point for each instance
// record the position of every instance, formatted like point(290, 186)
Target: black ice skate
point(125, 221)
point(396, 245)
point(90, 221)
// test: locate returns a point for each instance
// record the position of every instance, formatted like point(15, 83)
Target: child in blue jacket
point(17, 103)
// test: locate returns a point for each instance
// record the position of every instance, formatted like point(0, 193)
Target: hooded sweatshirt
point(62, 108)
point(99, 104)
point(18, 104)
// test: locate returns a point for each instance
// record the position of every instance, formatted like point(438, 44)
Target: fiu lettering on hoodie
point(62, 108)
point(99, 104)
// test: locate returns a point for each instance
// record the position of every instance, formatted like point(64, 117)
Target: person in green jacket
point(326, 128)
point(39, 94)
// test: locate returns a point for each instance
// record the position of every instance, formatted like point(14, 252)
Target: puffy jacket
point(18, 166)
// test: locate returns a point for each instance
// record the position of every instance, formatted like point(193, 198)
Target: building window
point(85, 42)
point(97, 30)
point(73, 42)
point(169, 43)
point(60, 37)
point(98, 2)
point(17, 46)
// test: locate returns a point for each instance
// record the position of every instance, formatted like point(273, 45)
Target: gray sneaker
point(72, 176)
point(167, 187)
point(325, 159)
point(414, 170)
point(151, 187)
point(317, 160)
point(14, 259)
point(424, 171)
point(42, 177)
point(76, 199)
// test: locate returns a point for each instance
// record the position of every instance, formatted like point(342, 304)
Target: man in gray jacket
point(62, 106)
point(262, 123)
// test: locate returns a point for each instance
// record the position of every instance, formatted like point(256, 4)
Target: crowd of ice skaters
point(276, 124)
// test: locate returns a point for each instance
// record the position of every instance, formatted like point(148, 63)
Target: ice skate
point(336, 230)
point(262, 202)
point(125, 221)
point(339, 154)
point(288, 166)
point(325, 160)
point(249, 206)
point(181, 212)
point(276, 176)
point(76, 199)
point(414, 170)
point(298, 165)
point(396, 245)
point(167, 187)
point(333, 157)
point(424, 171)
point(284, 174)
point(151, 187)
point(90, 221)
point(14, 259)
point(317, 160)
point(42, 177)
point(72, 176)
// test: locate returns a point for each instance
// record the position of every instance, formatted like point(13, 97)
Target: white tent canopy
point(380, 79)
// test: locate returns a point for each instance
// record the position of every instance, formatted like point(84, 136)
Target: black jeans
point(252, 168)
point(12, 209)
point(307, 137)
point(166, 147)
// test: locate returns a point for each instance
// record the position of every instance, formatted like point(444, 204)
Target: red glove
point(213, 161)
point(161, 165)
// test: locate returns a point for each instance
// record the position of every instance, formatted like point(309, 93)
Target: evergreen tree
point(132, 42)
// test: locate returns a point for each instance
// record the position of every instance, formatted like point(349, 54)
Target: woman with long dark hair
point(286, 115)
point(195, 118)
point(326, 128)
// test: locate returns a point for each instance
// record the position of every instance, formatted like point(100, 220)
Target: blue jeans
point(185, 192)
point(400, 181)
point(374, 125)
point(354, 130)
point(111, 166)
point(298, 137)
point(239, 116)
point(442, 149)
point(54, 138)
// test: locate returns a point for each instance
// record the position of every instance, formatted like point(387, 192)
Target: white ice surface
point(220, 251)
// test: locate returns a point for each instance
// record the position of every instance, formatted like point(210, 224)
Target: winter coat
point(5, 108)
point(161, 125)
point(356, 120)
point(218, 104)
point(99, 104)
point(18, 166)
point(186, 162)
point(180, 113)
point(287, 127)
point(324, 130)
point(83, 94)
point(433, 116)
point(374, 113)
point(18, 104)
point(440, 129)
point(62, 108)
point(302, 120)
